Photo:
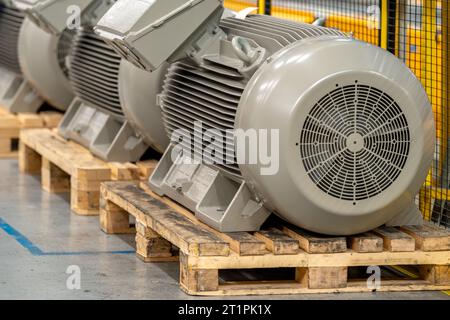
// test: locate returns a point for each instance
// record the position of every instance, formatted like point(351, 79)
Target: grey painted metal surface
point(106, 135)
point(224, 203)
point(45, 219)
point(138, 92)
point(51, 15)
point(134, 29)
point(42, 59)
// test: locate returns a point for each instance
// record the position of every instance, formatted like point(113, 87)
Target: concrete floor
point(40, 238)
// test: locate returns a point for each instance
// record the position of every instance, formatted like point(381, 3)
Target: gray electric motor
point(31, 63)
point(332, 134)
point(103, 84)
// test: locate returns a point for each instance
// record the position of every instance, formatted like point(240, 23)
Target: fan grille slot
point(355, 142)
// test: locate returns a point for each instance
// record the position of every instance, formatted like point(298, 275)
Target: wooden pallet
point(11, 124)
point(66, 166)
point(319, 264)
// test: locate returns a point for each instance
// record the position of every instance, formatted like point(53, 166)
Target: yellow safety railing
point(384, 24)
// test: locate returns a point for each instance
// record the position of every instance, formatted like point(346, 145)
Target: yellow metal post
point(384, 23)
point(261, 6)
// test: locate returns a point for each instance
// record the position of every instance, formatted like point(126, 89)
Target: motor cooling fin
point(94, 71)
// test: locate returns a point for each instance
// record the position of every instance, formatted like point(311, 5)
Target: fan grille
point(355, 142)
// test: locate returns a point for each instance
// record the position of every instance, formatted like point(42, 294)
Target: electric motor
point(332, 134)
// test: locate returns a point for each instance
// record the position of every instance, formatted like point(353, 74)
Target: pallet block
point(66, 166)
point(11, 124)
point(320, 263)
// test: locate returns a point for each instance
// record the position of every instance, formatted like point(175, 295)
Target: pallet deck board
point(395, 240)
point(429, 237)
point(324, 269)
point(312, 243)
point(11, 125)
point(244, 243)
point(365, 242)
point(277, 242)
point(182, 232)
point(66, 166)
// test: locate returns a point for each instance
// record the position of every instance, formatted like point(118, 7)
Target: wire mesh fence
point(414, 30)
point(421, 41)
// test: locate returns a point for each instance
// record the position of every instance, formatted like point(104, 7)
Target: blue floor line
point(36, 251)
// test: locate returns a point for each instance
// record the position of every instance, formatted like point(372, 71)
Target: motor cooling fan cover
point(356, 134)
point(41, 60)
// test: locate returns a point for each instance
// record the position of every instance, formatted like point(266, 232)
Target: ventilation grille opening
point(355, 142)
